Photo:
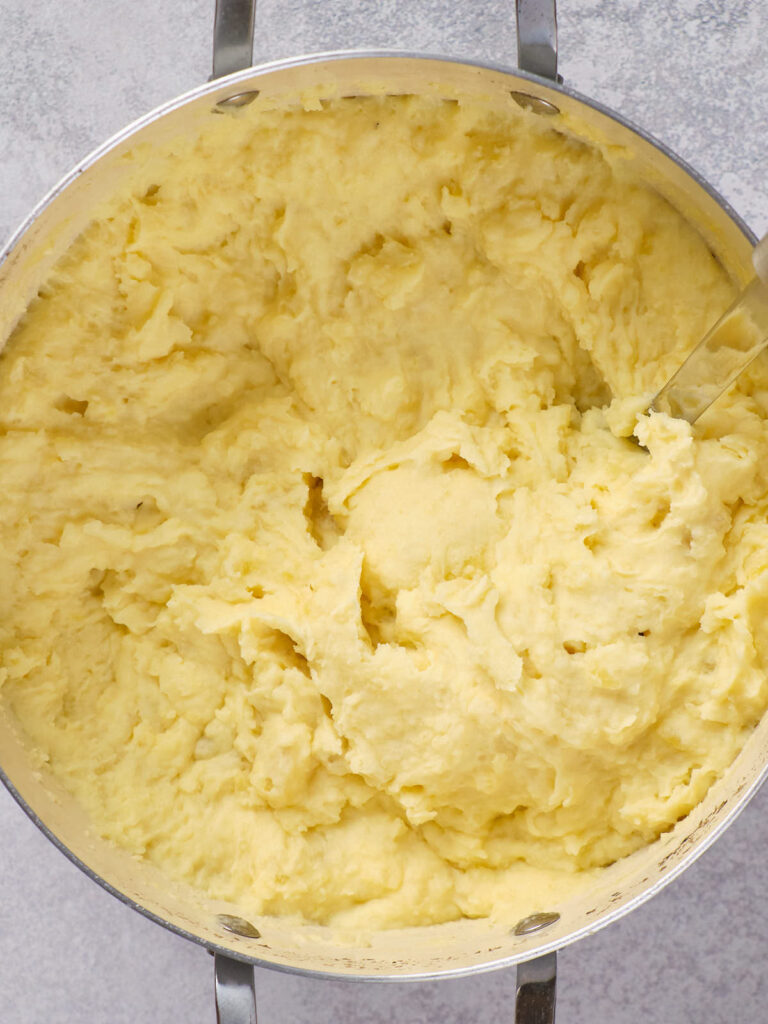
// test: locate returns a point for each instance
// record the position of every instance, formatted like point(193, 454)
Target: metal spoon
point(738, 337)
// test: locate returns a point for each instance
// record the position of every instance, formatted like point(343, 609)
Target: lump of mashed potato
point(327, 583)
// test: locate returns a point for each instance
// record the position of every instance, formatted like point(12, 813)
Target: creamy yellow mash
point(327, 582)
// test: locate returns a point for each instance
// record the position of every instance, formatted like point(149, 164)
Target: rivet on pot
point(238, 99)
point(239, 926)
point(535, 104)
point(535, 923)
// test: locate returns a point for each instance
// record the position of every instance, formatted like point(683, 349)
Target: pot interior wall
point(453, 948)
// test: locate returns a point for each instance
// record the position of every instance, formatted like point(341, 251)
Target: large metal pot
point(452, 949)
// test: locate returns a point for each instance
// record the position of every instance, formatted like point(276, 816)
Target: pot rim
point(234, 80)
point(331, 56)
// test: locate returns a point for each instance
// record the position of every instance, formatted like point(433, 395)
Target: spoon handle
point(760, 259)
point(727, 349)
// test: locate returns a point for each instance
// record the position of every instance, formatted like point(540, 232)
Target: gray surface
point(694, 73)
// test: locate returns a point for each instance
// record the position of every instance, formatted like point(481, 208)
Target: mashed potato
point(327, 582)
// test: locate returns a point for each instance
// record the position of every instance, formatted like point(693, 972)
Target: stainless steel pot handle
point(536, 37)
point(534, 1003)
point(232, 36)
point(235, 991)
point(536, 990)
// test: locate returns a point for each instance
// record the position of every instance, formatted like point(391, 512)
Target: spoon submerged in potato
point(738, 337)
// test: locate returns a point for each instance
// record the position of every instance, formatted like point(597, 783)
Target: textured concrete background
point(692, 72)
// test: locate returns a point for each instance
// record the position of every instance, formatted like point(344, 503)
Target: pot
point(457, 948)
